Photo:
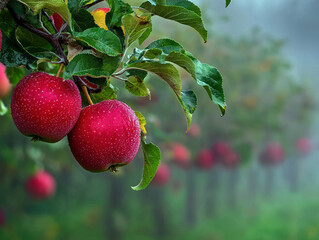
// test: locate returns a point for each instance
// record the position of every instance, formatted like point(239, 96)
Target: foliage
point(31, 40)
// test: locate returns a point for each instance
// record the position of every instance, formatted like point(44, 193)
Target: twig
point(50, 20)
point(87, 95)
point(60, 69)
point(52, 39)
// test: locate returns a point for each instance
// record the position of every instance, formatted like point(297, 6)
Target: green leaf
point(118, 10)
point(135, 27)
point(36, 46)
point(152, 157)
point(175, 53)
point(136, 86)
point(83, 20)
point(109, 92)
point(209, 77)
point(12, 54)
point(227, 2)
point(183, 61)
point(186, 4)
point(166, 71)
point(3, 108)
point(101, 40)
point(86, 64)
point(142, 122)
point(76, 5)
point(190, 100)
point(58, 6)
point(180, 14)
point(166, 45)
point(145, 35)
point(15, 74)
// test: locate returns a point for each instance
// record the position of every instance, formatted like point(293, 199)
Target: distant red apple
point(162, 175)
point(181, 155)
point(220, 149)
point(45, 107)
point(57, 20)
point(194, 130)
point(304, 145)
point(40, 185)
point(2, 218)
point(205, 159)
point(231, 159)
point(5, 85)
point(272, 154)
point(106, 136)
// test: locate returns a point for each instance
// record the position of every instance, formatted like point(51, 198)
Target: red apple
point(41, 185)
point(162, 175)
point(205, 159)
point(2, 217)
point(106, 136)
point(181, 155)
point(220, 150)
point(45, 107)
point(231, 159)
point(5, 85)
point(304, 145)
point(194, 130)
point(57, 20)
point(272, 154)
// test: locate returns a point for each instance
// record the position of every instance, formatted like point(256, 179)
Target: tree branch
point(52, 39)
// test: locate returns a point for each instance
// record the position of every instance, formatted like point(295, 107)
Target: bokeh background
point(267, 52)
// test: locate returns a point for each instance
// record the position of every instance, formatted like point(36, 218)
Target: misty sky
point(296, 21)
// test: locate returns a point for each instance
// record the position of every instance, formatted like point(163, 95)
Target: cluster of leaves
point(32, 41)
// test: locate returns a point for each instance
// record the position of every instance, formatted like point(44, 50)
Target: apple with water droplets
point(106, 136)
point(45, 107)
point(41, 185)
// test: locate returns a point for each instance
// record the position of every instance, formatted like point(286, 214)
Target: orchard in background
point(43, 40)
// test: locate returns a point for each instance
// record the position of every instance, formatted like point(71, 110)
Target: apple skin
point(194, 130)
point(272, 154)
point(5, 85)
point(57, 20)
point(41, 185)
point(45, 107)
point(220, 150)
point(162, 175)
point(181, 155)
point(99, 15)
point(205, 159)
point(2, 217)
point(231, 159)
point(304, 145)
point(106, 136)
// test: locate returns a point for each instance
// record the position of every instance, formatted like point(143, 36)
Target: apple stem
point(60, 70)
point(87, 95)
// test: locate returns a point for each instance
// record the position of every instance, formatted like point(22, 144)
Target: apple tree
point(59, 55)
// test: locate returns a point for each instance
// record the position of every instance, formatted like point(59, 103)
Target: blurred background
point(252, 174)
